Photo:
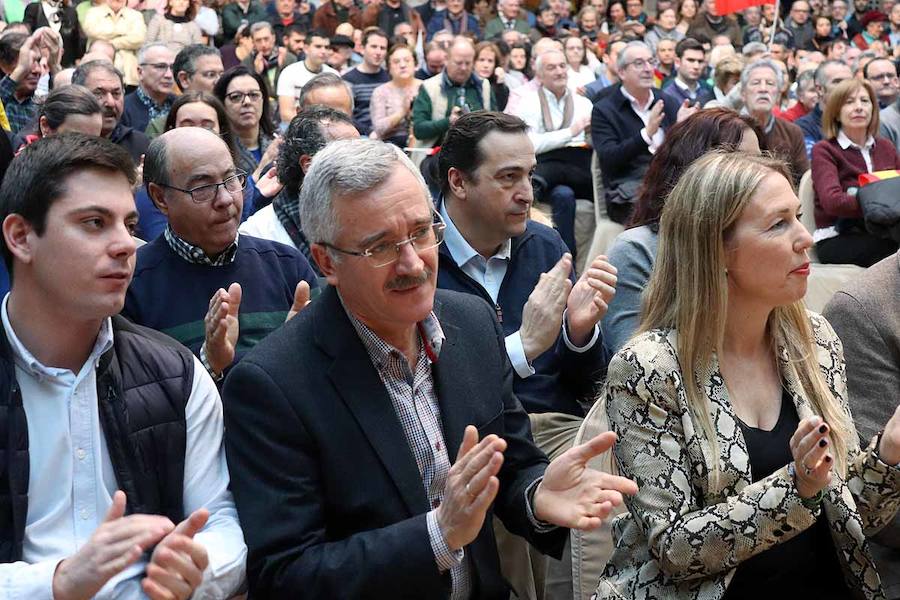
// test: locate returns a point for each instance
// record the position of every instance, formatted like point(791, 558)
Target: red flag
point(726, 7)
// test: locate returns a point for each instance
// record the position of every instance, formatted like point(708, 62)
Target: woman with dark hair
point(175, 27)
point(634, 252)
point(519, 64)
point(67, 108)
point(246, 98)
point(488, 66)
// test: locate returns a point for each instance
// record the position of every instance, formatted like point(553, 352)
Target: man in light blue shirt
point(103, 419)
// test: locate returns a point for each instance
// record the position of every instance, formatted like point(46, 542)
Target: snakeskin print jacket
point(683, 537)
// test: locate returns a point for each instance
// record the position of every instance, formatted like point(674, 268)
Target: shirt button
point(84, 514)
point(80, 453)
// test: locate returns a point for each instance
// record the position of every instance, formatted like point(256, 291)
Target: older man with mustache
point(761, 84)
point(214, 291)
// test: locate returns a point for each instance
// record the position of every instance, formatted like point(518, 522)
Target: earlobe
point(158, 197)
point(325, 262)
point(16, 234)
point(305, 160)
point(44, 126)
point(455, 183)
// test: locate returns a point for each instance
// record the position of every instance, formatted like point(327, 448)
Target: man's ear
point(183, 80)
point(305, 161)
point(158, 197)
point(17, 235)
point(456, 183)
point(326, 263)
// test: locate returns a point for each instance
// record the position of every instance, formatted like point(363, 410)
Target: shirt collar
point(430, 339)
point(684, 86)
point(552, 97)
point(844, 142)
point(27, 361)
point(147, 101)
point(195, 254)
point(460, 250)
point(634, 101)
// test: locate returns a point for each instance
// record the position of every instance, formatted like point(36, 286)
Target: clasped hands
point(175, 569)
point(587, 302)
point(570, 495)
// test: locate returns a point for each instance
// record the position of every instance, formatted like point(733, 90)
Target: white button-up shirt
point(643, 112)
point(71, 478)
point(529, 110)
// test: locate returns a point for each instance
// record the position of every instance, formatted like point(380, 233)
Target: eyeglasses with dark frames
point(383, 254)
point(208, 192)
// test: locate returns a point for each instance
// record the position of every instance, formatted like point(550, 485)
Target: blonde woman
point(731, 411)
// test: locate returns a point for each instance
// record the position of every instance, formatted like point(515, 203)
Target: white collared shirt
point(644, 113)
point(71, 478)
point(529, 110)
point(866, 150)
point(489, 274)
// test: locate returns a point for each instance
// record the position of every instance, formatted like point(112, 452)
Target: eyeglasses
point(161, 67)
point(210, 74)
point(208, 192)
point(385, 253)
point(238, 97)
point(641, 63)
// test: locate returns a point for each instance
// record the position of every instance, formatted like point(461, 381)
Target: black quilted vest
point(143, 384)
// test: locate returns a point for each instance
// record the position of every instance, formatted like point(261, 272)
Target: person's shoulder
point(459, 307)
point(789, 128)
point(642, 236)
point(151, 255)
point(645, 353)
point(264, 247)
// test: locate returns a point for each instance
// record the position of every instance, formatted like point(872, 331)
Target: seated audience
point(124, 28)
point(734, 422)
point(455, 19)
point(344, 421)
point(153, 97)
point(114, 474)
point(865, 314)
point(22, 67)
point(633, 252)
point(391, 104)
point(488, 66)
point(828, 75)
point(852, 147)
point(67, 109)
point(295, 76)
point(223, 292)
point(881, 73)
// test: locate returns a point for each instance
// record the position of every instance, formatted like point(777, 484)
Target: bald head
point(170, 154)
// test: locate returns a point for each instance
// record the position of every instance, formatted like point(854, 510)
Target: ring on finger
point(469, 493)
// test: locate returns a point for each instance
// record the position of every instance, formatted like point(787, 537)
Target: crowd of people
point(282, 316)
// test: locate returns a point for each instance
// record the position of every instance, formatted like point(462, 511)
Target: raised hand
point(575, 496)
point(301, 299)
point(811, 448)
point(471, 487)
point(222, 327)
point(589, 299)
point(656, 118)
point(117, 543)
point(176, 567)
point(543, 312)
point(686, 110)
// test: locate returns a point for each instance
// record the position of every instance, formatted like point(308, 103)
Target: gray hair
point(622, 59)
point(142, 53)
point(342, 168)
point(539, 61)
point(754, 48)
point(260, 25)
point(325, 80)
point(763, 63)
point(820, 70)
point(84, 70)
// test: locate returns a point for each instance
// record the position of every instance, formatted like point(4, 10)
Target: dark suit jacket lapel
point(361, 389)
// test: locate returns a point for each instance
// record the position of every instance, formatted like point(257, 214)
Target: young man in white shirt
point(104, 418)
point(295, 76)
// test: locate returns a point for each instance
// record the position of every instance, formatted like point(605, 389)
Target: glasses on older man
point(640, 64)
point(158, 67)
point(208, 192)
point(384, 253)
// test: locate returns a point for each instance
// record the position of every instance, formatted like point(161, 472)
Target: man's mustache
point(408, 281)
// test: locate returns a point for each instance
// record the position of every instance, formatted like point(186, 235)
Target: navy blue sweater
point(172, 295)
point(562, 377)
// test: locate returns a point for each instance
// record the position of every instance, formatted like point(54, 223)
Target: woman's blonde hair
point(831, 116)
point(688, 290)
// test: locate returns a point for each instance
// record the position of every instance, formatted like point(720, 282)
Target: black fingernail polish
point(823, 428)
point(823, 443)
point(827, 458)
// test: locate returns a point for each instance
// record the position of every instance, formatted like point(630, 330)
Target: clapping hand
point(177, 564)
point(811, 448)
point(543, 312)
point(889, 450)
point(222, 327)
point(589, 299)
point(576, 496)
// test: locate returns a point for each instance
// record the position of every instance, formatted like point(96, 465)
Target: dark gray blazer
point(866, 316)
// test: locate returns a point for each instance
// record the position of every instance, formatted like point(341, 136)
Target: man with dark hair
point(309, 132)
point(524, 269)
point(367, 76)
point(105, 81)
point(294, 77)
point(294, 39)
point(20, 62)
point(103, 418)
point(153, 97)
point(688, 83)
point(204, 270)
point(344, 422)
point(196, 68)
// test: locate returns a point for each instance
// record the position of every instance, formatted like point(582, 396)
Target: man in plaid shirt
point(20, 61)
